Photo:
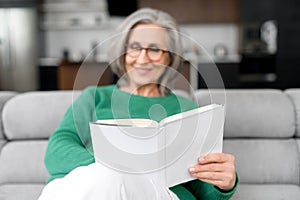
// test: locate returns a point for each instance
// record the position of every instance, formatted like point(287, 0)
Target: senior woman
point(144, 53)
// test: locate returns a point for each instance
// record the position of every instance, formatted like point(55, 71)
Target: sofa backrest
point(4, 96)
point(28, 120)
point(252, 113)
point(35, 115)
point(294, 95)
point(259, 130)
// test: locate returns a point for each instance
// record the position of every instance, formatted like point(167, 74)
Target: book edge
point(130, 122)
point(188, 113)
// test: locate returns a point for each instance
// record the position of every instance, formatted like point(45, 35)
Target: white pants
point(99, 182)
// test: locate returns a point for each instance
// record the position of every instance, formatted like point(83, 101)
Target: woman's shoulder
point(185, 101)
point(92, 93)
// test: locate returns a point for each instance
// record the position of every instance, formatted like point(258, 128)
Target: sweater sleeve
point(67, 147)
point(202, 190)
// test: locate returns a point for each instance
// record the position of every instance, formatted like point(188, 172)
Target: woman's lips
point(143, 70)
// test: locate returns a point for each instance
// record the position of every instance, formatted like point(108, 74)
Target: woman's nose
point(143, 57)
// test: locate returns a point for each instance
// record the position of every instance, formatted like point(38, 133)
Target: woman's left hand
point(217, 169)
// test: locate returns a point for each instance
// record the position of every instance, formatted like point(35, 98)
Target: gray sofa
point(262, 130)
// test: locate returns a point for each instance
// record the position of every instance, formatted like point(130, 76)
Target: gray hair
point(146, 16)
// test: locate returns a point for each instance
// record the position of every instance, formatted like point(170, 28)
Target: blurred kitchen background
point(253, 43)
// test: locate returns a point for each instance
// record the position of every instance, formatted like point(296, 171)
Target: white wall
point(209, 35)
point(80, 41)
point(77, 42)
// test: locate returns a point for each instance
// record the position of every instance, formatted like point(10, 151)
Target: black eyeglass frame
point(140, 49)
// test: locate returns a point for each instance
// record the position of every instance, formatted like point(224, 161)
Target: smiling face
point(146, 58)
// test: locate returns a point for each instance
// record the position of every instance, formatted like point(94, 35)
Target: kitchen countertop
point(235, 58)
point(47, 62)
point(231, 58)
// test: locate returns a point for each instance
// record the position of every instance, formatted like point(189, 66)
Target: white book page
point(192, 141)
point(129, 122)
point(192, 112)
point(162, 153)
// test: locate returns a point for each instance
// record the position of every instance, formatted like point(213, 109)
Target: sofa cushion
point(35, 115)
point(294, 95)
point(20, 191)
point(264, 113)
point(273, 161)
point(23, 162)
point(266, 192)
point(4, 96)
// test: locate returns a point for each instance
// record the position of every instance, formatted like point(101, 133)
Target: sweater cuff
point(220, 194)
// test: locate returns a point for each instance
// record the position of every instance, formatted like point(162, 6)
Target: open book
point(162, 151)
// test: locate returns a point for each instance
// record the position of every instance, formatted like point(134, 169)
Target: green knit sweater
point(70, 146)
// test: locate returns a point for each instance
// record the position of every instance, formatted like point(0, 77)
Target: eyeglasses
point(153, 53)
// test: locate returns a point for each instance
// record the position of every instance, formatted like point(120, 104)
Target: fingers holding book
point(217, 169)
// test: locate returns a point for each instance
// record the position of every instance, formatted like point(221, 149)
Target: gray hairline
point(145, 16)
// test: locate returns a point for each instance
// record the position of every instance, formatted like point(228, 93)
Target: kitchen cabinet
point(257, 10)
point(258, 71)
point(74, 15)
point(17, 3)
point(48, 77)
point(218, 75)
point(233, 75)
point(288, 44)
point(78, 76)
point(287, 15)
point(198, 11)
point(183, 78)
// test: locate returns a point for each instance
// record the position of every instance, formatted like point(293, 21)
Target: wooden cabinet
point(183, 78)
point(78, 76)
point(198, 11)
